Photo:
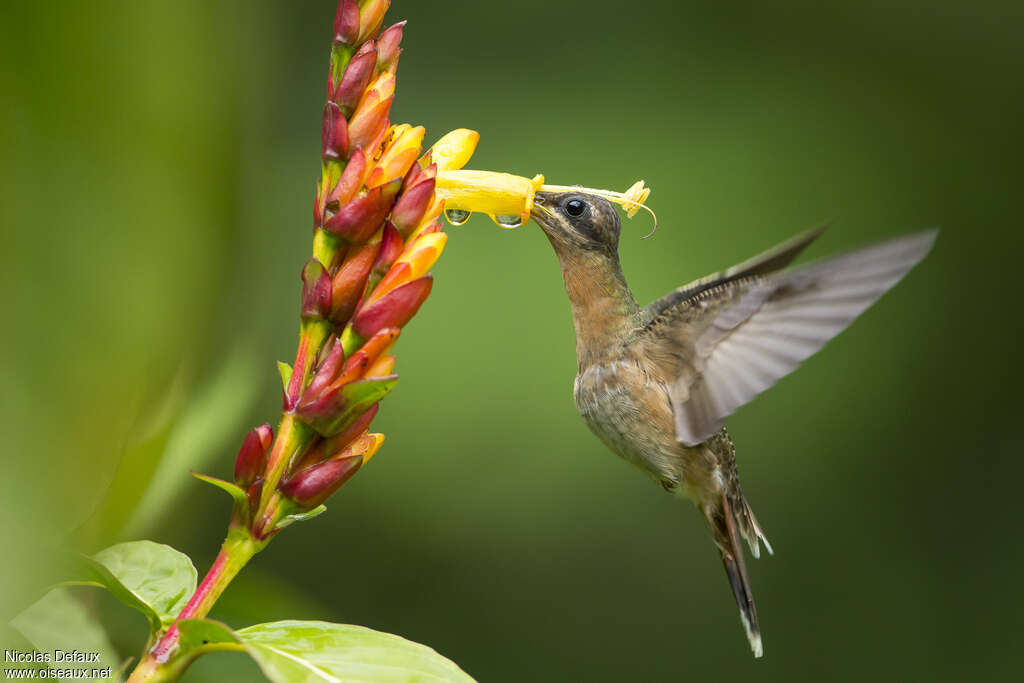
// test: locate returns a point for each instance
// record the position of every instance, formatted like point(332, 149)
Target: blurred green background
point(158, 166)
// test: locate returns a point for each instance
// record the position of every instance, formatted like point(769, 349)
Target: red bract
point(356, 221)
point(357, 74)
point(346, 22)
point(350, 281)
point(316, 290)
point(252, 456)
point(387, 47)
point(334, 133)
point(313, 485)
point(393, 309)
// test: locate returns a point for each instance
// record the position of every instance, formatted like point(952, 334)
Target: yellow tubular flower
point(508, 199)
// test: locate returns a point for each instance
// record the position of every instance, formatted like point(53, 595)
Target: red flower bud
point(324, 448)
point(252, 456)
point(357, 220)
point(357, 75)
point(394, 309)
point(376, 345)
point(371, 114)
point(390, 249)
point(316, 290)
point(371, 16)
point(387, 47)
point(346, 22)
point(313, 485)
point(326, 373)
point(343, 403)
point(334, 133)
point(344, 437)
point(351, 179)
point(350, 281)
point(368, 125)
point(412, 205)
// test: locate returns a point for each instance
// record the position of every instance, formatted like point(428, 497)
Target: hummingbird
point(655, 384)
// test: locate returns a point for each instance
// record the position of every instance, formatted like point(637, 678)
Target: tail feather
point(751, 531)
point(723, 522)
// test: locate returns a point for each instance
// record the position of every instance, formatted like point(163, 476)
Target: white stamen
point(632, 200)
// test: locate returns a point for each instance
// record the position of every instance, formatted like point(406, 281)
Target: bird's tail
point(728, 519)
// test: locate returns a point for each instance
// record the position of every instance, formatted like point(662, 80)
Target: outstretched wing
point(776, 258)
point(730, 342)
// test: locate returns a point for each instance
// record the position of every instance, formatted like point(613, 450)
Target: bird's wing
point(776, 258)
point(725, 345)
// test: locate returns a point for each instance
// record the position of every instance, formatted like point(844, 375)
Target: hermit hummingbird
point(655, 384)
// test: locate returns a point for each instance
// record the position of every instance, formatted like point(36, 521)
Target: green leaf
point(322, 652)
point(235, 491)
point(196, 633)
point(58, 621)
point(153, 578)
point(286, 374)
point(318, 651)
point(288, 520)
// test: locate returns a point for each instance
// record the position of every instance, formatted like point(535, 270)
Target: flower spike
point(376, 236)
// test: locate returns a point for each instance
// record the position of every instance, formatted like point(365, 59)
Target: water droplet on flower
point(457, 216)
point(508, 221)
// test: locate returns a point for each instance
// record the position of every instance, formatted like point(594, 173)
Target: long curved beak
point(540, 212)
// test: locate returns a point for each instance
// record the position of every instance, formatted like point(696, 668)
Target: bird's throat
point(603, 308)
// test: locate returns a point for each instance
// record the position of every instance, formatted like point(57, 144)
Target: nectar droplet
point(507, 221)
point(457, 217)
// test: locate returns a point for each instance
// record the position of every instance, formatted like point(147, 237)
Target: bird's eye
point(575, 207)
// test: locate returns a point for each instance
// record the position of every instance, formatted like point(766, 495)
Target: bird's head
point(576, 221)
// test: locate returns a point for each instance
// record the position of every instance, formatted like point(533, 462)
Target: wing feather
point(776, 258)
point(766, 326)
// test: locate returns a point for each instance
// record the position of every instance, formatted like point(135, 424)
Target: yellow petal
point(372, 448)
point(636, 195)
point(435, 240)
point(433, 211)
point(424, 253)
point(454, 150)
point(381, 367)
